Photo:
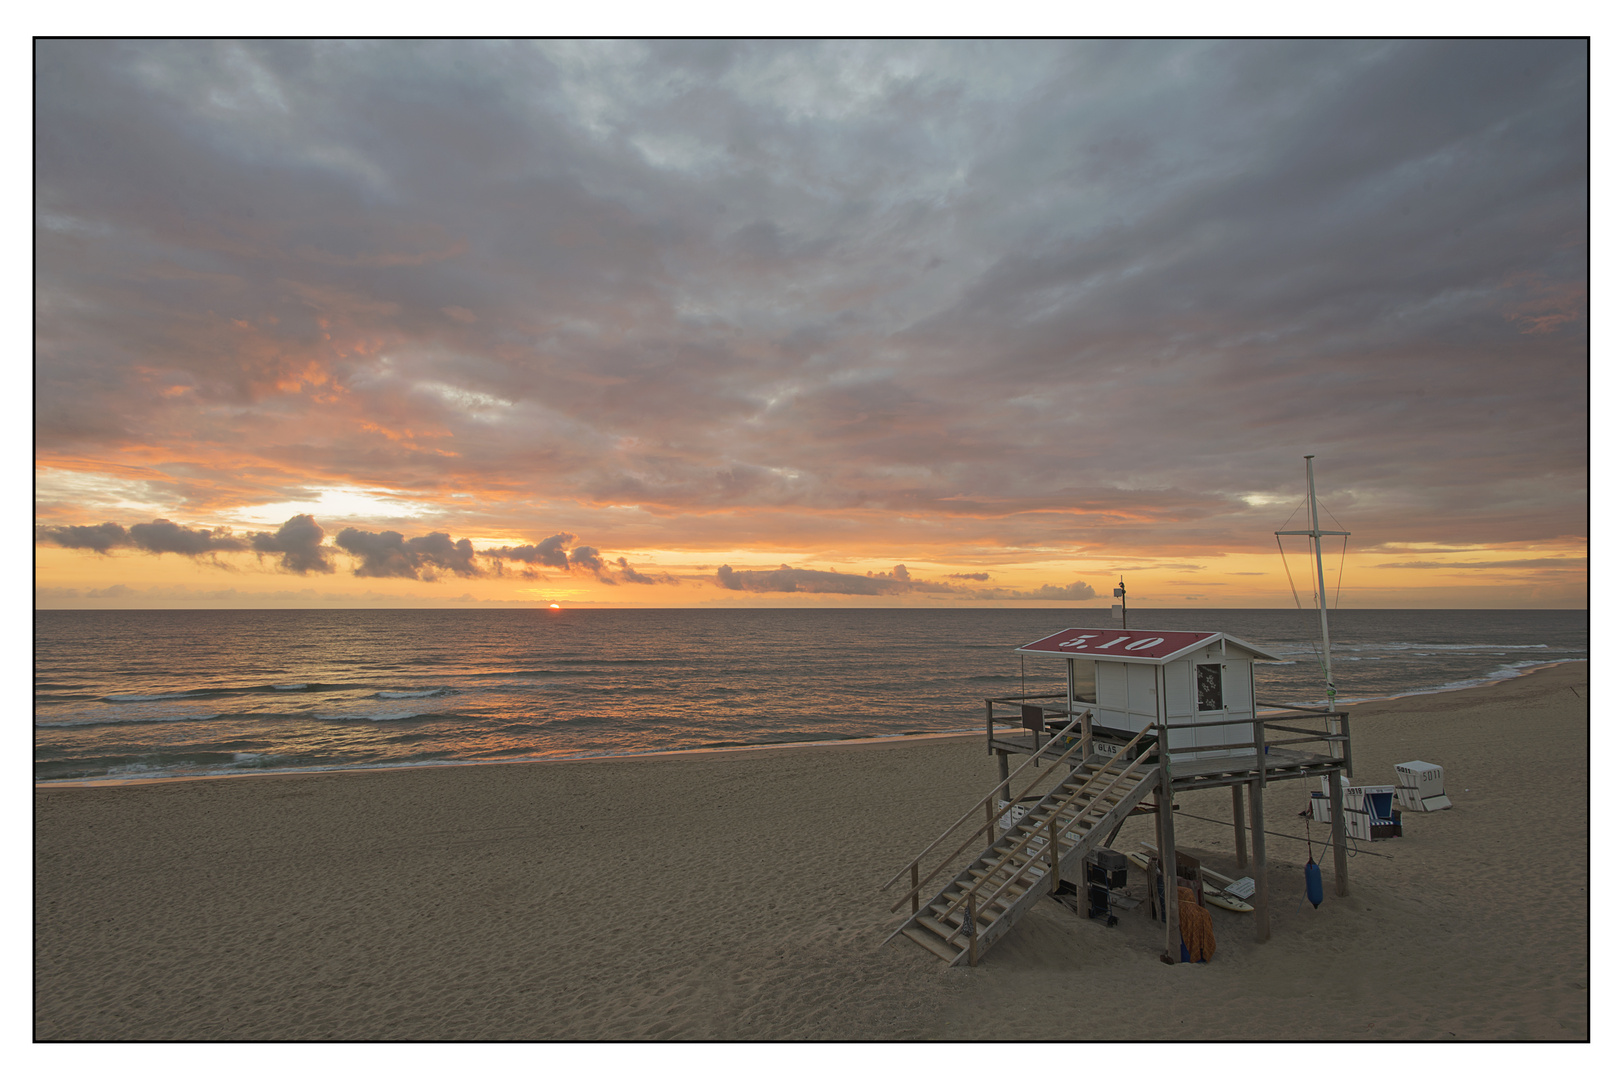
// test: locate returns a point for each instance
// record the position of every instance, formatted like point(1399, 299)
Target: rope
point(1297, 597)
point(1294, 595)
point(1308, 821)
point(1340, 568)
point(1298, 510)
point(1351, 842)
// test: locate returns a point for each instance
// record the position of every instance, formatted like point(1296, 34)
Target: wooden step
point(1008, 870)
point(983, 888)
point(991, 909)
point(954, 920)
point(932, 943)
point(952, 933)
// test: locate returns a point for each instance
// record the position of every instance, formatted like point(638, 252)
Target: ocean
point(146, 694)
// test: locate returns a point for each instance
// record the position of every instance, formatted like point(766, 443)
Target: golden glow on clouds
point(335, 503)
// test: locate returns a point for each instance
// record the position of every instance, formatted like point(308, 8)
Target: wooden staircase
point(1028, 859)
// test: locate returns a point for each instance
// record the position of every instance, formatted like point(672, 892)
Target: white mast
point(1318, 560)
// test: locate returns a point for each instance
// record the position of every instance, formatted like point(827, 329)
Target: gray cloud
point(587, 559)
point(789, 579)
point(553, 551)
point(100, 538)
point(163, 536)
point(628, 573)
point(298, 541)
point(390, 554)
point(159, 537)
point(1076, 590)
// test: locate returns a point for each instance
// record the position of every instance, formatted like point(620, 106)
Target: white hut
point(1193, 682)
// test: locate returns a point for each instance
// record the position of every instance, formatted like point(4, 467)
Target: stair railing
point(986, 803)
point(1046, 844)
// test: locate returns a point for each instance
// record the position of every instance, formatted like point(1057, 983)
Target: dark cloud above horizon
point(989, 297)
point(386, 554)
point(298, 541)
point(792, 579)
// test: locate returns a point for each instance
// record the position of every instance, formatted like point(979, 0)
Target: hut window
point(1083, 684)
point(1209, 687)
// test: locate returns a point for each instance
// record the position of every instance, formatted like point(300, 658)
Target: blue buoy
point(1315, 884)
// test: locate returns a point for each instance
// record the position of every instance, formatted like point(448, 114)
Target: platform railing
point(1283, 719)
point(1285, 716)
point(1018, 720)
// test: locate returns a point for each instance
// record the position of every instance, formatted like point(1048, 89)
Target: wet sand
point(736, 896)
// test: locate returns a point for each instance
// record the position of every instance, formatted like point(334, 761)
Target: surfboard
point(1214, 895)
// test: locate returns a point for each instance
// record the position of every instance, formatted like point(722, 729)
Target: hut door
point(1238, 705)
point(1211, 704)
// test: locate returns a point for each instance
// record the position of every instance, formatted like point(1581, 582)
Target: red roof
point(1144, 646)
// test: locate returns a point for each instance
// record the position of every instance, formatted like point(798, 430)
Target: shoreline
point(320, 770)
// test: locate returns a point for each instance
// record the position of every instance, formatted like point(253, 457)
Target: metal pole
point(1338, 832)
point(1318, 561)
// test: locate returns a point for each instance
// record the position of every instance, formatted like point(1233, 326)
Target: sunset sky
point(695, 323)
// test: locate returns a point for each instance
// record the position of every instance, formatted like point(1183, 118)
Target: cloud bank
point(386, 554)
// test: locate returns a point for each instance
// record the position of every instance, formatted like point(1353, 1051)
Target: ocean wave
point(369, 716)
point(1409, 646)
point(291, 686)
point(249, 760)
point(137, 767)
point(93, 721)
point(399, 695)
point(160, 697)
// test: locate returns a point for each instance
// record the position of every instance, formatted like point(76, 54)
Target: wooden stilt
point(1259, 846)
point(1003, 772)
point(1169, 868)
point(1259, 863)
point(1239, 825)
point(1338, 834)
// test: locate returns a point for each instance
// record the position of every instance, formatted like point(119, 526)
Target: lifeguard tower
point(1145, 714)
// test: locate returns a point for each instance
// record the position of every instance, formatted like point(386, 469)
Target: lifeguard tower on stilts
point(1146, 714)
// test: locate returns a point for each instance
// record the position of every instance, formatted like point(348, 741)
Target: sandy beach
point(736, 896)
